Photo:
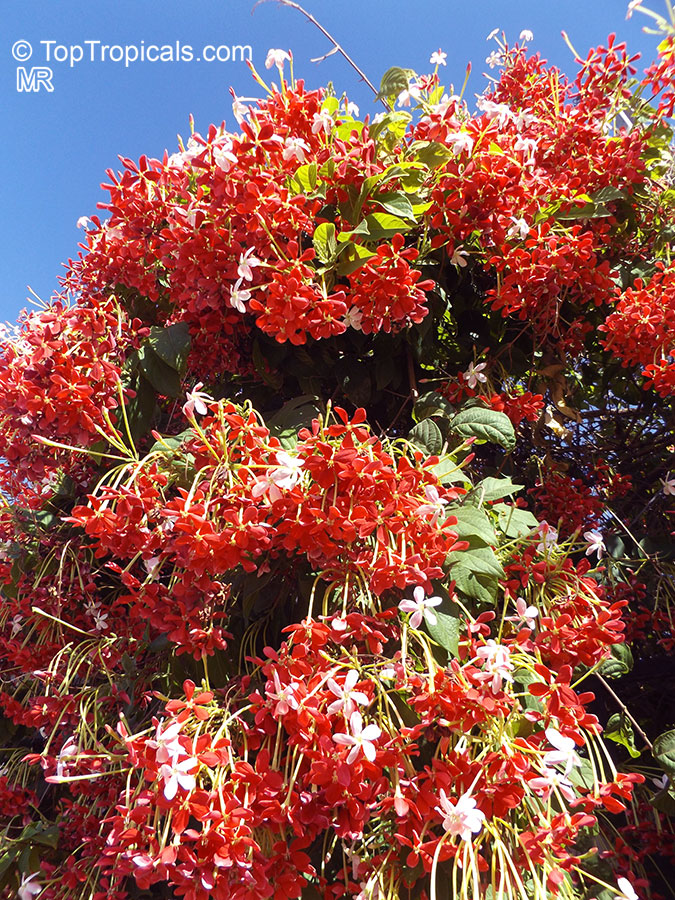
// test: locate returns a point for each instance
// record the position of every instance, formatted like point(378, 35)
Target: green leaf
point(432, 404)
point(381, 226)
point(325, 243)
point(305, 178)
point(427, 436)
point(473, 525)
point(619, 663)
point(485, 425)
point(431, 153)
point(514, 522)
point(140, 409)
point(396, 203)
point(354, 256)
point(620, 730)
point(449, 624)
point(476, 572)
point(664, 752)
point(171, 345)
point(394, 81)
point(163, 377)
point(294, 415)
point(447, 471)
point(490, 489)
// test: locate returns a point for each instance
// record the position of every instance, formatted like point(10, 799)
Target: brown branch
point(624, 709)
point(337, 48)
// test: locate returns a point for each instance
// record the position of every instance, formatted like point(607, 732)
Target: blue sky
point(58, 144)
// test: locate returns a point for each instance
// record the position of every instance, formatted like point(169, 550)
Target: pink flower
point(196, 401)
point(360, 740)
point(420, 607)
point(497, 664)
point(595, 543)
point(347, 697)
point(525, 614)
point(550, 779)
point(474, 374)
point(288, 472)
point(276, 58)
point(460, 819)
point(285, 695)
point(166, 742)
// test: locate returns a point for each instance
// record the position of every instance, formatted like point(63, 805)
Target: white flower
point(17, 625)
point(196, 401)
point(295, 147)
point(474, 374)
point(247, 263)
point(99, 619)
point(627, 890)
point(166, 743)
point(353, 318)
point(461, 142)
point(497, 664)
point(460, 819)
point(240, 110)
point(177, 773)
point(67, 752)
point(347, 697)
point(360, 740)
point(438, 58)
point(668, 486)
point(519, 227)
point(550, 779)
point(421, 608)
point(84, 222)
point(29, 887)
point(595, 543)
point(492, 110)
point(276, 58)
point(322, 121)
point(549, 537)
point(458, 258)
point(493, 33)
point(661, 783)
point(525, 614)
point(632, 6)
point(352, 110)
point(527, 146)
point(152, 567)
point(435, 504)
point(564, 754)
point(284, 695)
point(526, 35)
point(495, 59)
point(411, 93)
point(239, 298)
point(223, 156)
point(288, 472)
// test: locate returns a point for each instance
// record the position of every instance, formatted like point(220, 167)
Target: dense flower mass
point(331, 504)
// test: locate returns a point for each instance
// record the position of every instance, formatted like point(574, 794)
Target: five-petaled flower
point(239, 297)
point(438, 58)
point(247, 262)
point(668, 486)
point(285, 695)
point(29, 887)
point(595, 543)
point(196, 401)
point(421, 608)
point(525, 614)
point(178, 773)
point(361, 740)
point(497, 665)
point(474, 374)
point(347, 697)
point(276, 58)
point(564, 753)
point(288, 472)
point(526, 35)
point(461, 819)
